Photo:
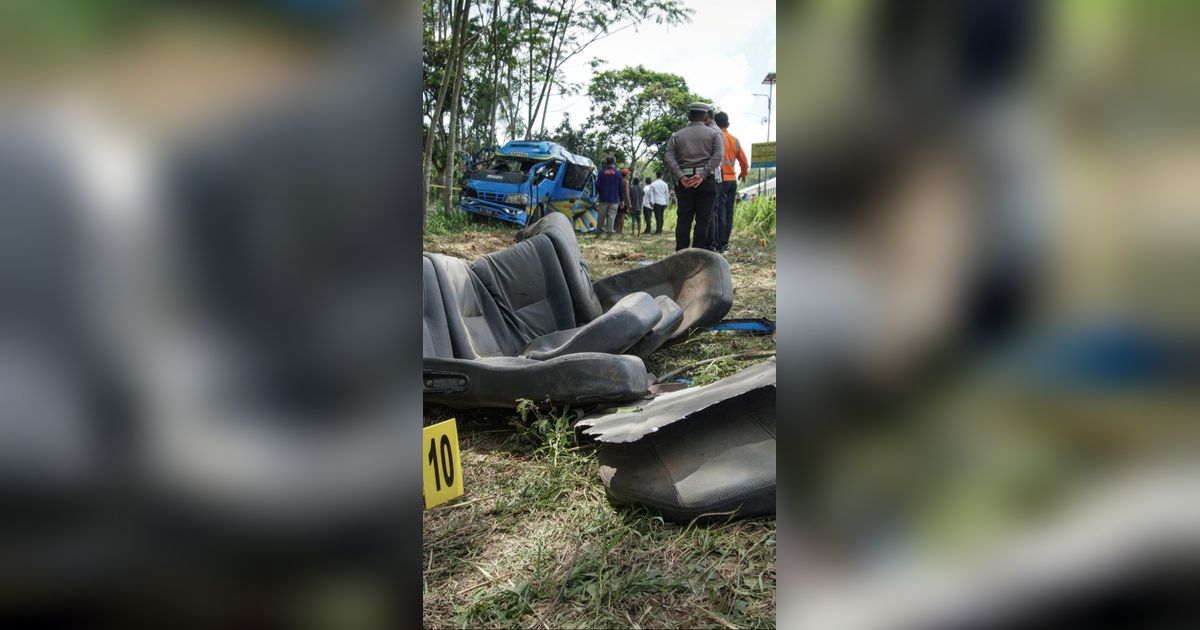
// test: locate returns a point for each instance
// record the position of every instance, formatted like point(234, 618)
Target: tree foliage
point(636, 110)
point(505, 59)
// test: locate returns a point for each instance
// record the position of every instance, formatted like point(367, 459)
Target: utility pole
point(768, 81)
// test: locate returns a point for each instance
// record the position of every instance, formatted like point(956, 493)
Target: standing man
point(647, 208)
point(710, 122)
point(693, 155)
point(657, 196)
point(610, 186)
point(623, 206)
point(636, 194)
point(729, 180)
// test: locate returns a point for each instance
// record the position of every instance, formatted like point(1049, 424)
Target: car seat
point(509, 321)
point(474, 356)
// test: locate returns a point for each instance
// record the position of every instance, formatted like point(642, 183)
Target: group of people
point(619, 197)
point(701, 157)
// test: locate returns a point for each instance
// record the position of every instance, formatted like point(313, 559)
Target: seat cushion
point(527, 284)
point(574, 379)
point(557, 227)
point(653, 340)
point(474, 322)
point(614, 332)
point(697, 280)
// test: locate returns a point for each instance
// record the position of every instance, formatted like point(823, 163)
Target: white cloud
point(723, 54)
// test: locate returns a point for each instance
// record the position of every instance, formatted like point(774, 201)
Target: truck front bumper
point(494, 210)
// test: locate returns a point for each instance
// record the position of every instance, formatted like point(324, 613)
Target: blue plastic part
point(745, 325)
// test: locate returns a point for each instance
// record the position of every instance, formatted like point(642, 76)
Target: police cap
point(700, 107)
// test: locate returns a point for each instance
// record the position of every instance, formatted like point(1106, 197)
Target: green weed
point(756, 217)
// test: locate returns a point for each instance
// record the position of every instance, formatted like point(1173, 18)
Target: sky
point(723, 54)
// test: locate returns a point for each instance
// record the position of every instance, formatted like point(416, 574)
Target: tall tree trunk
point(561, 23)
point(427, 158)
point(495, 72)
point(529, 72)
point(455, 108)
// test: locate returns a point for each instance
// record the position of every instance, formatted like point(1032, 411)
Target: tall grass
point(440, 222)
point(755, 217)
point(752, 219)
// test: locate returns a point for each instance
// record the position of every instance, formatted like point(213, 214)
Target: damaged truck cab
point(526, 180)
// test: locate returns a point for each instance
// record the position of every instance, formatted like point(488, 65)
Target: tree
point(451, 63)
point(490, 73)
point(637, 110)
point(559, 30)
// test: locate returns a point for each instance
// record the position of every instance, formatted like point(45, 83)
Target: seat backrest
point(527, 282)
point(475, 324)
point(435, 333)
point(557, 227)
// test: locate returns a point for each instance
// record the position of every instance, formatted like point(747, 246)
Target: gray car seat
point(511, 312)
point(518, 310)
point(468, 349)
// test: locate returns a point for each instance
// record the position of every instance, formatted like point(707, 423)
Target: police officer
point(693, 155)
point(714, 229)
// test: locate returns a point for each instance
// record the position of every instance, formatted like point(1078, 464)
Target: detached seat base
point(575, 379)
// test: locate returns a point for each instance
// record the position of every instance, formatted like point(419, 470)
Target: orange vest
point(733, 151)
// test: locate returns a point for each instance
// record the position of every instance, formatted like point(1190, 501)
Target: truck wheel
point(534, 214)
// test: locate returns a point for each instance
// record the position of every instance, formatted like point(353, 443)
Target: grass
point(535, 542)
point(756, 217)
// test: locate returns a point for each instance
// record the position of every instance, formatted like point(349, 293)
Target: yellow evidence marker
point(443, 470)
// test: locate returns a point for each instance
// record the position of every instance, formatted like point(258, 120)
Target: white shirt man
point(656, 197)
point(657, 192)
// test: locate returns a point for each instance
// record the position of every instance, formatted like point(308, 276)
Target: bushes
point(457, 220)
point(439, 222)
point(755, 218)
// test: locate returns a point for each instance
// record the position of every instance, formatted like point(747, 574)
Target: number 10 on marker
point(443, 470)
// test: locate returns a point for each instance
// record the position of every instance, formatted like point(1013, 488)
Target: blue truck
point(525, 179)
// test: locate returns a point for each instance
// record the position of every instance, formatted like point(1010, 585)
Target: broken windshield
point(505, 168)
point(506, 164)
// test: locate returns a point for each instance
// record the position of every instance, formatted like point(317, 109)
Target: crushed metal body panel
point(707, 454)
point(675, 406)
